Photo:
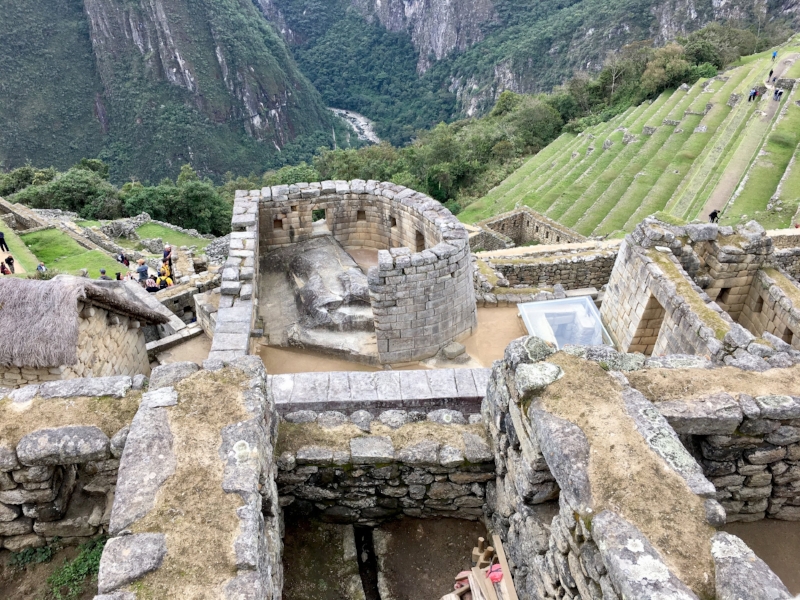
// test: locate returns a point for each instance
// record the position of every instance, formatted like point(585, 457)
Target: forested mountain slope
point(151, 84)
point(466, 52)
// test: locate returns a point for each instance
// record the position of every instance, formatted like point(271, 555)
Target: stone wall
point(179, 299)
point(421, 292)
point(748, 448)
point(108, 344)
point(229, 462)
point(59, 482)
point(771, 306)
point(489, 240)
point(789, 260)
point(572, 270)
point(785, 238)
point(590, 544)
point(239, 299)
point(24, 217)
point(524, 225)
point(401, 463)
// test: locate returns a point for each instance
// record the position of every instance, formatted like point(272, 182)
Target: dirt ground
point(424, 555)
point(195, 350)
point(777, 543)
point(319, 563)
point(30, 583)
point(660, 385)
point(497, 327)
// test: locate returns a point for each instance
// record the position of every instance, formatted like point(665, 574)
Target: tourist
point(10, 262)
point(41, 268)
point(3, 245)
point(151, 286)
point(780, 95)
point(714, 216)
point(121, 258)
point(142, 271)
point(164, 280)
point(167, 259)
point(770, 75)
point(774, 55)
point(103, 275)
point(4, 269)
point(751, 95)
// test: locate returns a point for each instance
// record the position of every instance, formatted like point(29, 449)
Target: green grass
point(72, 579)
point(610, 198)
point(60, 252)
point(768, 169)
point(175, 238)
point(21, 253)
point(88, 223)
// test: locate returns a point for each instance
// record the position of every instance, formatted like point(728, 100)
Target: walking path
point(18, 268)
point(748, 147)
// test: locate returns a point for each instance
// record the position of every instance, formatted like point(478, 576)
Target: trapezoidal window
point(361, 215)
point(277, 224)
point(420, 242)
point(788, 336)
point(393, 222)
point(644, 340)
point(759, 307)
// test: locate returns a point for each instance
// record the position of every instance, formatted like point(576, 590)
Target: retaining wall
point(587, 544)
point(229, 546)
point(59, 481)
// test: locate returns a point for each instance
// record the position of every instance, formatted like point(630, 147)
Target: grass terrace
point(60, 252)
point(175, 238)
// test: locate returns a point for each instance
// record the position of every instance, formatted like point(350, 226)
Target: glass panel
point(568, 321)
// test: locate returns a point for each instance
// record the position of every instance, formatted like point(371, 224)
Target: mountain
point(460, 55)
point(243, 85)
point(151, 84)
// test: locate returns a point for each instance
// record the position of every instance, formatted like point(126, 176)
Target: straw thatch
point(39, 319)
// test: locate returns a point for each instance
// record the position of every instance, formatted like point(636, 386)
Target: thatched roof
point(39, 319)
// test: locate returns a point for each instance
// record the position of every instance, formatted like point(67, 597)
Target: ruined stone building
point(66, 328)
point(606, 470)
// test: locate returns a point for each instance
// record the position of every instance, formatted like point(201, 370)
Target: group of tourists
point(7, 265)
point(149, 282)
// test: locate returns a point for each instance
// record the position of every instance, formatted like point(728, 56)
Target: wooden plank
point(475, 588)
point(487, 589)
point(508, 587)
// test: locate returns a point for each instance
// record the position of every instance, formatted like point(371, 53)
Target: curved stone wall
point(421, 292)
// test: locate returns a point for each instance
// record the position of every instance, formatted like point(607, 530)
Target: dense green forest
point(211, 83)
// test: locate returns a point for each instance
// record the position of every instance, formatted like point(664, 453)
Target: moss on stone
point(709, 317)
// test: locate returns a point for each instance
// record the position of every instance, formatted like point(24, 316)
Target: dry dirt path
point(18, 268)
point(743, 156)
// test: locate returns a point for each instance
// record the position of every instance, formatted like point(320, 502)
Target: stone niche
point(421, 292)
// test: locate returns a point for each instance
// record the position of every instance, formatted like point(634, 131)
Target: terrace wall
point(58, 482)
